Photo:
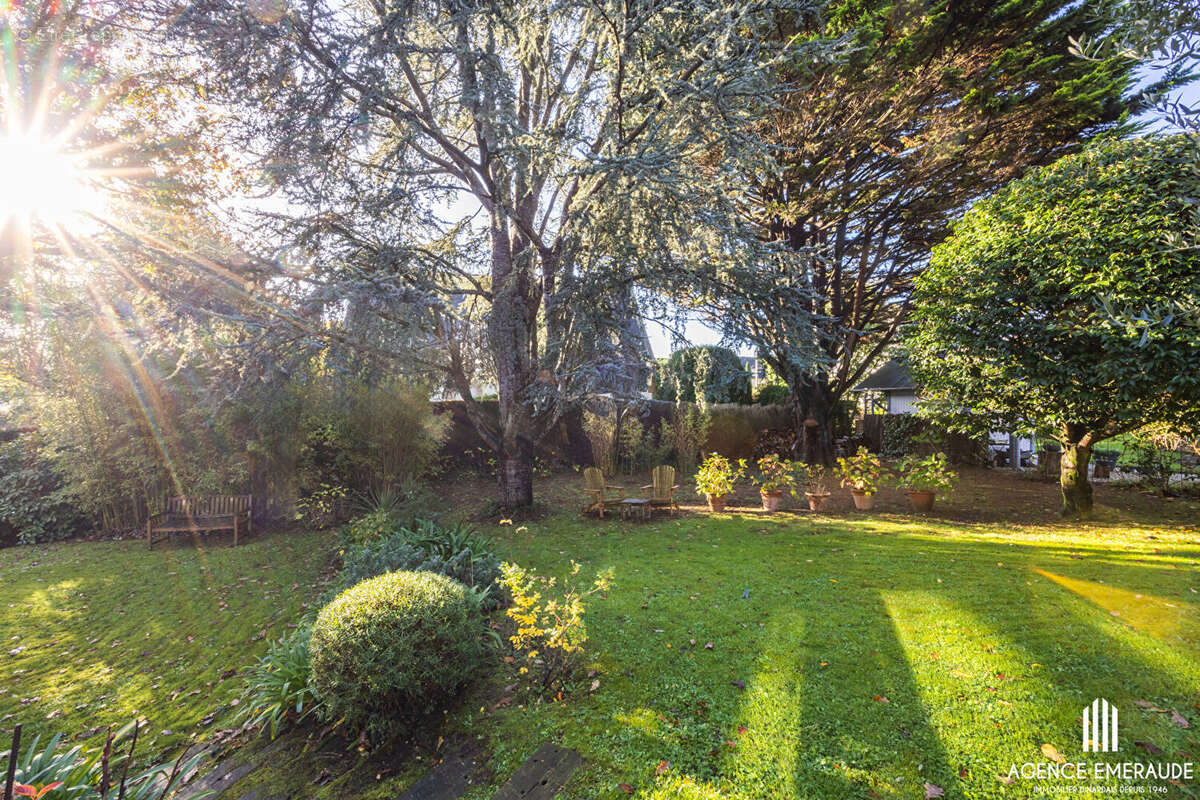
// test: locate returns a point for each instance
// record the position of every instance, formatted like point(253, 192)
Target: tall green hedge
point(717, 372)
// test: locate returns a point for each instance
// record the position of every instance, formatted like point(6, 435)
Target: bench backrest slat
point(209, 505)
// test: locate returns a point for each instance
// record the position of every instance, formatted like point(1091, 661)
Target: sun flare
point(40, 181)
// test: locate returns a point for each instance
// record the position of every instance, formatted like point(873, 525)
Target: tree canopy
point(533, 161)
point(936, 105)
point(1012, 327)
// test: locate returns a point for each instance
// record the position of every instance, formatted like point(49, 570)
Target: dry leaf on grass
point(1051, 752)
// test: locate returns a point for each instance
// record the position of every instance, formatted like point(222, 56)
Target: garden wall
point(734, 432)
point(566, 445)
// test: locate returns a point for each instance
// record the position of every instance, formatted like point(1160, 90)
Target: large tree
point(938, 104)
point(537, 157)
point(1012, 327)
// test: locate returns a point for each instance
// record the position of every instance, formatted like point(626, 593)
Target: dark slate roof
point(892, 376)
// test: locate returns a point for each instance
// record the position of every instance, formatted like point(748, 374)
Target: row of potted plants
point(862, 472)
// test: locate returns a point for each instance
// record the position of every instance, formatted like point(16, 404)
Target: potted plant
point(861, 472)
point(774, 476)
point(816, 488)
point(716, 478)
point(924, 477)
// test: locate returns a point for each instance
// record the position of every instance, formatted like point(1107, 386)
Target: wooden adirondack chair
point(662, 492)
point(598, 490)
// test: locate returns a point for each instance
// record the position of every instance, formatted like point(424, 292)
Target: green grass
point(104, 631)
point(985, 636)
point(986, 641)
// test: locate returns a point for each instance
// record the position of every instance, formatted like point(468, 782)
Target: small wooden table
point(635, 505)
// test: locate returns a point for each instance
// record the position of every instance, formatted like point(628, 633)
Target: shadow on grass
point(981, 658)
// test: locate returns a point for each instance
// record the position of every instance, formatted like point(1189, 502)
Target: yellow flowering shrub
point(548, 633)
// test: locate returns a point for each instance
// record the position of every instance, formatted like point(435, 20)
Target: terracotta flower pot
point(716, 503)
point(863, 501)
point(816, 502)
point(921, 500)
point(771, 500)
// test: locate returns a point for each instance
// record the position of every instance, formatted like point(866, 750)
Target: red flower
point(26, 790)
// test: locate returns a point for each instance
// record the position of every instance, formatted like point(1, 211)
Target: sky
point(662, 340)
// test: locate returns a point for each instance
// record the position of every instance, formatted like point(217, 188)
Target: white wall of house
point(902, 402)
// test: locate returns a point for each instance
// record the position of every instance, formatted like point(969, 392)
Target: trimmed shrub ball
point(392, 647)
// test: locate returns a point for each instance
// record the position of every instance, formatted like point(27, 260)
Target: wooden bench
point(196, 513)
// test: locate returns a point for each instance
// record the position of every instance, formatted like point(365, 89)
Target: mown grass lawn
point(853, 655)
point(878, 653)
point(94, 633)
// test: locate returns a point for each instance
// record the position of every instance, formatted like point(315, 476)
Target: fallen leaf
point(1179, 720)
point(742, 729)
point(1007, 781)
point(1051, 752)
point(595, 685)
point(1143, 704)
point(742, 685)
point(1149, 747)
point(933, 790)
point(626, 788)
point(663, 768)
point(881, 699)
point(708, 645)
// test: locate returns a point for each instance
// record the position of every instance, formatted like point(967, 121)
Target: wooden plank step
point(542, 776)
point(450, 779)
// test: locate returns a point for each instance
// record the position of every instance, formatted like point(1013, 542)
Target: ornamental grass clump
point(393, 647)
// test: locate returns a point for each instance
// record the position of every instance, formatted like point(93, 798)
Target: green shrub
point(277, 689)
point(900, 434)
point(929, 474)
point(391, 647)
point(1154, 464)
point(34, 505)
point(685, 434)
point(705, 373)
point(772, 394)
point(718, 476)
point(456, 551)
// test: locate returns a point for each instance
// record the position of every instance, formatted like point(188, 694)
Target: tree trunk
point(515, 479)
point(1073, 477)
point(813, 407)
point(510, 334)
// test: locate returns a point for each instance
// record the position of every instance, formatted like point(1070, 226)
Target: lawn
point(877, 653)
point(93, 633)
point(852, 655)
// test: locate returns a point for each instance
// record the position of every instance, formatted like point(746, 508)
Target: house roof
point(892, 376)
